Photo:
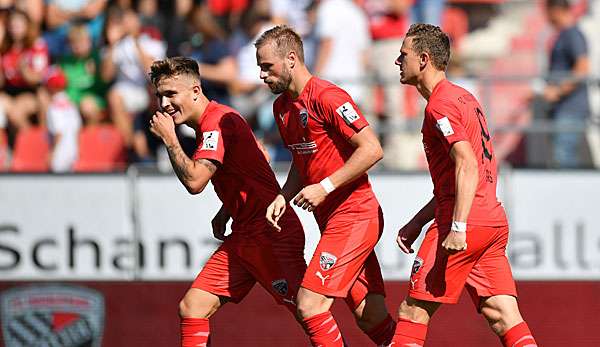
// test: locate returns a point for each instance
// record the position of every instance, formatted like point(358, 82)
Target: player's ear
point(424, 58)
point(291, 59)
point(197, 91)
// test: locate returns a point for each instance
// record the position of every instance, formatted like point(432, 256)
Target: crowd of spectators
point(75, 94)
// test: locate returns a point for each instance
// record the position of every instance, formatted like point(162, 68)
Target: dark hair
point(175, 66)
point(558, 3)
point(285, 40)
point(432, 40)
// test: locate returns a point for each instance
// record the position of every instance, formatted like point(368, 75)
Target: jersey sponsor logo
point(417, 265)
point(348, 113)
point(280, 286)
point(327, 260)
point(282, 117)
point(303, 118)
point(444, 126)
point(53, 315)
point(210, 140)
point(304, 147)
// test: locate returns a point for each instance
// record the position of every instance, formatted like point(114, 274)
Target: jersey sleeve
point(211, 140)
point(447, 119)
point(341, 113)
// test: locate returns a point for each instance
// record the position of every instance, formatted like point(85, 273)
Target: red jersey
point(244, 181)
point(452, 115)
point(316, 128)
point(35, 57)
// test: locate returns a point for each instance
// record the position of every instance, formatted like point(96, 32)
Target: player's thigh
point(340, 256)
point(368, 282)
point(225, 275)
point(438, 276)
point(279, 266)
point(491, 275)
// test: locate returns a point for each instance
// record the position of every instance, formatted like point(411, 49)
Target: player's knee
point(309, 305)
point(371, 312)
point(196, 307)
point(410, 310)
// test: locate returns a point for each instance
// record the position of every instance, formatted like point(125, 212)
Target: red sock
point(194, 332)
point(518, 336)
point(383, 333)
point(323, 330)
point(409, 333)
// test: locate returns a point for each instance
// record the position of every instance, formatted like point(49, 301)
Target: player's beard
point(283, 83)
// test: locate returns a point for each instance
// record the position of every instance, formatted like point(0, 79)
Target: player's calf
point(503, 316)
point(374, 320)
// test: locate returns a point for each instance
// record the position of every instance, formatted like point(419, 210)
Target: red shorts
point(344, 263)
point(275, 260)
point(483, 267)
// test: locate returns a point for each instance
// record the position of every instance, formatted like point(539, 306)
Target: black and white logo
point(327, 260)
point(280, 286)
point(417, 265)
point(303, 118)
point(53, 315)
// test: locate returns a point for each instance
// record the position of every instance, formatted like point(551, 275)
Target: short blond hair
point(171, 67)
point(285, 40)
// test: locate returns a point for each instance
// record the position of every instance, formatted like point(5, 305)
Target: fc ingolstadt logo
point(52, 315)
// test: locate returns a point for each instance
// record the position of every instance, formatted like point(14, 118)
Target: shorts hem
point(429, 297)
point(217, 292)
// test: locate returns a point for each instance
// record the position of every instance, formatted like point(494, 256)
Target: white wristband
point(327, 185)
point(459, 227)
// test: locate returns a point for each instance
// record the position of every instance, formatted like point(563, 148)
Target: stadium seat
point(101, 149)
point(31, 151)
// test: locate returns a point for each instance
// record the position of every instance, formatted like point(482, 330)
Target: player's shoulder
point(221, 115)
point(325, 92)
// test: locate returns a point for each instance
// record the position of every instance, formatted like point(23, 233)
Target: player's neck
point(429, 82)
point(299, 81)
point(199, 111)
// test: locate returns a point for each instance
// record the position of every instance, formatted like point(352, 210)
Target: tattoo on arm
point(208, 164)
point(181, 162)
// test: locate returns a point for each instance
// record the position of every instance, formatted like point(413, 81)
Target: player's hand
point(455, 242)
point(219, 224)
point(310, 197)
point(275, 210)
point(162, 125)
point(407, 235)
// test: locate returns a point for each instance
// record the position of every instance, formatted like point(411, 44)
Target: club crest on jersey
point(303, 118)
point(210, 140)
point(327, 260)
point(52, 315)
point(348, 113)
point(280, 286)
point(443, 124)
point(417, 265)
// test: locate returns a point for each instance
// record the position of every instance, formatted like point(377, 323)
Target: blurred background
point(98, 240)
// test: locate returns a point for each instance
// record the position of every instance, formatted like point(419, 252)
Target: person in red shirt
point(23, 64)
point(332, 148)
point(229, 156)
point(466, 244)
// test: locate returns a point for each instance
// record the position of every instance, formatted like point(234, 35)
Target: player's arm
point(367, 152)
point(410, 232)
point(466, 180)
point(291, 187)
point(193, 174)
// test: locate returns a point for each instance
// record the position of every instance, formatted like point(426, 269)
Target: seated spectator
point(64, 122)
point(101, 145)
point(23, 63)
point(61, 14)
point(126, 60)
point(82, 66)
